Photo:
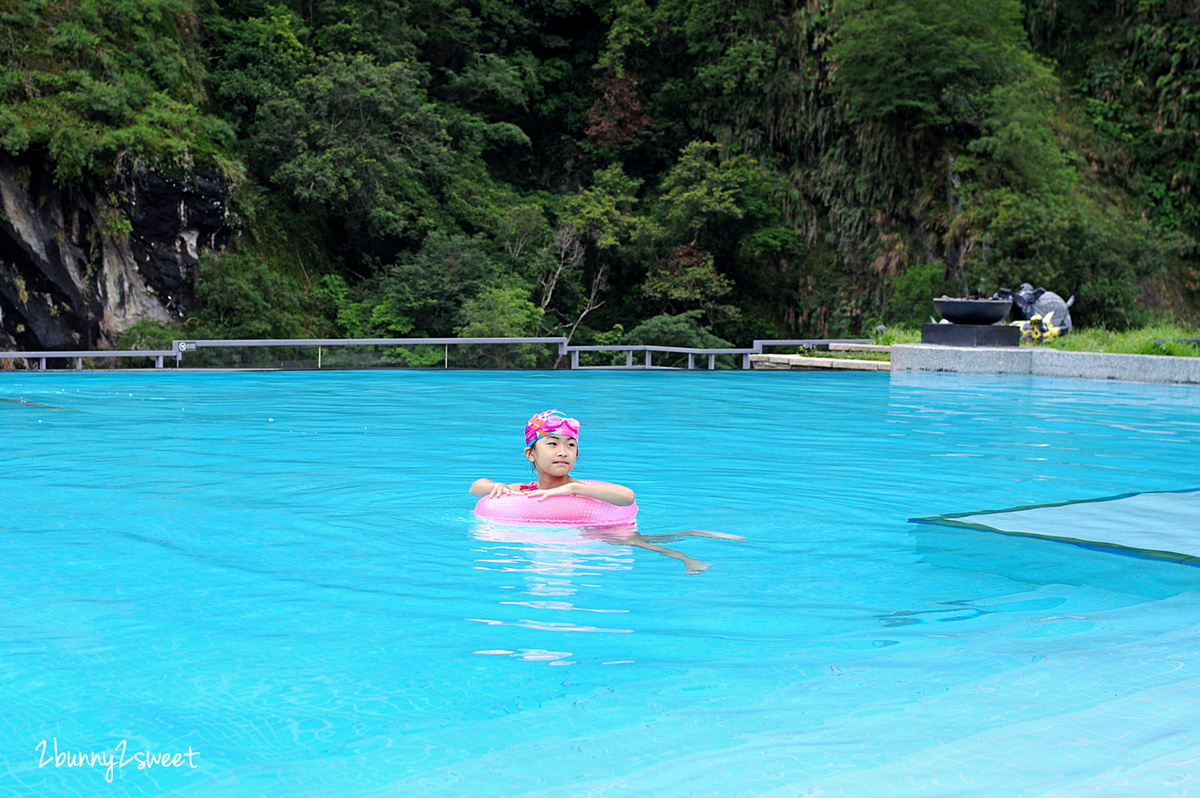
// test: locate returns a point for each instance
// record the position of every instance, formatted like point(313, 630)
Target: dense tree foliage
point(102, 87)
point(678, 169)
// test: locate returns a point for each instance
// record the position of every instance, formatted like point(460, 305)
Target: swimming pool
point(280, 573)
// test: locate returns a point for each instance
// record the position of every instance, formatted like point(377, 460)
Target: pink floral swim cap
point(550, 422)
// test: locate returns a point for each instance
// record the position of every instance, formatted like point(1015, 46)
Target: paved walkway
point(805, 362)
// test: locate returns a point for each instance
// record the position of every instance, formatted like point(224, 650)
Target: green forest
point(673, 172)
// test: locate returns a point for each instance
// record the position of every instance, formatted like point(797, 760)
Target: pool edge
point(1046, 363)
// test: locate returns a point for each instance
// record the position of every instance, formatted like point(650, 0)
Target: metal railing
point(79, 355)
point(649, 349)
point(180, 348)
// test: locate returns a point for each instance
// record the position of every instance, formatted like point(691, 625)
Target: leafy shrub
point(682, 330)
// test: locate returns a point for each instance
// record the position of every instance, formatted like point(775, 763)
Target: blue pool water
point(280, 573)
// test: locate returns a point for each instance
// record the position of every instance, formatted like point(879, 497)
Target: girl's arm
point(487, 487)
point(613, 494)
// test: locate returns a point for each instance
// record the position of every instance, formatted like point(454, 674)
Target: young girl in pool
point(552, 446)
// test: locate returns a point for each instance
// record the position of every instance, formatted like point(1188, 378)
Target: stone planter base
point(970, 335)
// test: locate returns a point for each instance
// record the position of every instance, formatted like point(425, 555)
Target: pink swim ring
point(576, 510)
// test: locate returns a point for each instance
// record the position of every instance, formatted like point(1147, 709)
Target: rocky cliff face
point(79, 268)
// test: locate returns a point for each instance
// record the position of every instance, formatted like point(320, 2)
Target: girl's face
point(553, 455)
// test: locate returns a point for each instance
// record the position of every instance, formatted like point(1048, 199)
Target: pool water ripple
point(282, 571)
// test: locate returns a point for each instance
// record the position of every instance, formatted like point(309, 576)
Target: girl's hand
point(561, 490)
point(500, 489)
point(613, 494)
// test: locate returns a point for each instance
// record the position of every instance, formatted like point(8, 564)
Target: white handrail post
point(574, 358)
point(712, 362)
point(42, 361)
point(691, 361)
point(745, 362)
point(628, 358)
point(648, 358)
point(79, 364)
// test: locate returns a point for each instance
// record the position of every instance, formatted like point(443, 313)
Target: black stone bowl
point(972, 311)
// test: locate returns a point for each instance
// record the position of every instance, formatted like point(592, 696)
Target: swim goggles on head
point(550, 422)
